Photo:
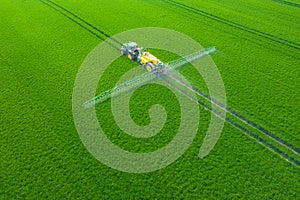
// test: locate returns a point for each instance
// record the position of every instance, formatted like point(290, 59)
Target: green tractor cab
point(130, 50)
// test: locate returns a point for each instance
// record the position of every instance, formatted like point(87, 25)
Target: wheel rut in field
point(255, 136)
point(236, 25)
point(250, 128)
point(249, 122)
point(100, 34)
point(292, 4)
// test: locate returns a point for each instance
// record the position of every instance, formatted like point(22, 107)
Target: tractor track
point(235, 25)
point(253, 135)
point(288, 3)
point(230, 121)
point(82, 23)
point(238, 116)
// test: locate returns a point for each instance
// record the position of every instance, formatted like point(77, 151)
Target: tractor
point(142, 57)
point(130, 50)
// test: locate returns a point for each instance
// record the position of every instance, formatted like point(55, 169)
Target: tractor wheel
point(129, 56)
point(149, 67)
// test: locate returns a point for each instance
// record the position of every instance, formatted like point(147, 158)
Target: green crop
point(41, 52)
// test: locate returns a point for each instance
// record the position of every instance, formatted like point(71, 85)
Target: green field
point(43, 44)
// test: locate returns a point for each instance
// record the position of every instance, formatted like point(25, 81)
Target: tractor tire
point(149, 67)
point(123, 52)
point(130, 56)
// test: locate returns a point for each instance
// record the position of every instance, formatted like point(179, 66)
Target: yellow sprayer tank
point(148, 57)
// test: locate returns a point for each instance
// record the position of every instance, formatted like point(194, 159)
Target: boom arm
point(124, 87)
point(180, 62)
